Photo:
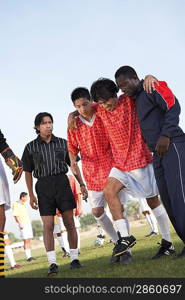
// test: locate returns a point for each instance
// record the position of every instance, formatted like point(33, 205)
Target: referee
point(46, 158)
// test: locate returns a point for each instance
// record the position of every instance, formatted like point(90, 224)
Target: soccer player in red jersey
point(132, 163)
point(91, 141)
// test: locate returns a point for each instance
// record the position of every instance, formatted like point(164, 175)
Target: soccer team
point(128, 145)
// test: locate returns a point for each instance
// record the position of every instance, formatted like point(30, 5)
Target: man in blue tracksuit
point(158, 113)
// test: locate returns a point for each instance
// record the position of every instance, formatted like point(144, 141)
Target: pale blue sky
point(48, 48)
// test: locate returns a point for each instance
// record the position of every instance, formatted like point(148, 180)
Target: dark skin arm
point(29, 183)
point(162, 145)
point(76, 172)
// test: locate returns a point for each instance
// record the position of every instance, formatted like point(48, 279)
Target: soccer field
point(96, 264)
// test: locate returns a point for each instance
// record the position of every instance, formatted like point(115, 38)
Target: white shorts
point(97, 198)
point(139, 183)
point(4, 188)
point(26, 232)
point(61, 223)
point(144, 205)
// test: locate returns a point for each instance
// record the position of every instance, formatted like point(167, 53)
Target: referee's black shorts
point(54, 192)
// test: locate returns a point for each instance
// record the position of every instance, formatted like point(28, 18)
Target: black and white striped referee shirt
point(46, 159)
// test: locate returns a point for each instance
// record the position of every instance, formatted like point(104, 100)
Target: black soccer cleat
point(30, 259)
point(75, 264)
point(123, 244)
point(166, 248)
point(53, 270)
point(100, 236)
point(126, 258)
point(151, 233)
point(181, 254)
point(114, 259)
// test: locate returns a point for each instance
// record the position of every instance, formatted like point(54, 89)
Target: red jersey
point(122, 125)
point(90, 139)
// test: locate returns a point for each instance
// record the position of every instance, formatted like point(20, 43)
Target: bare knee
point(97, 211)
point(68, 220)
point(153, 202)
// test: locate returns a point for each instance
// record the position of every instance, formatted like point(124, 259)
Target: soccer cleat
point(17, 266)
point(53, 269)
point(75, 264)
point(151, 233)
point(166, 249)
point(31, 258)
point(123, 244)
point(181, 254)
point(100, 236)
point(126, 258)
point(114, 259)
point(66, 254)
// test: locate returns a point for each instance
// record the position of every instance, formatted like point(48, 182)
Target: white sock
point(154, 223)
point(73, 254)
point(101, 231)
point(65, 241)
point(162, 219)
point(147, 216)
point(127, 222)
point(60, 241)
point(109, 213)
point(78, 235)
point(107, 225)
point(9, 253)
point(51, 255)
point(121, 226)
point(28, 253)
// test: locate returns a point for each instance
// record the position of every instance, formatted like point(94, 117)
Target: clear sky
point(48, 48)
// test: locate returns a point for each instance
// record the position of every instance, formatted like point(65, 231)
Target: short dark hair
point(80, 92)
point(103, 88)
point(23, 194)
point(127, 72)
point(39, 118)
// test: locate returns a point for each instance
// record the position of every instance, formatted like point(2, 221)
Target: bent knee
point(97, 211)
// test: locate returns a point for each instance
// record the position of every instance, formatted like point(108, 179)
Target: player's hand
point(84, 192)
point(149, 83)
point(80, 212)
point(33, 202)
point(21, 226)
point(162, 145)
point(71, 121)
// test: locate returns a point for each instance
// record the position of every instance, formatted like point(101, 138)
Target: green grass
point(96, 261)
